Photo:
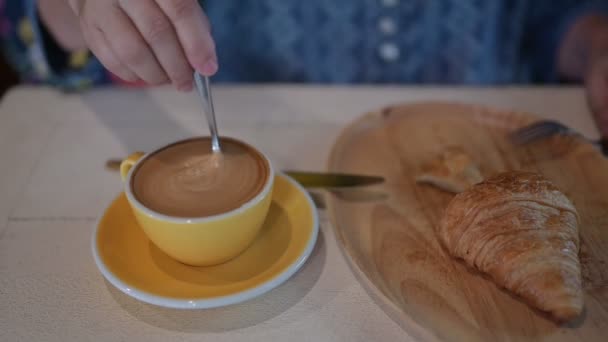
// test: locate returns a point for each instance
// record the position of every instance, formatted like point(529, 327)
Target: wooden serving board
point(388, 232)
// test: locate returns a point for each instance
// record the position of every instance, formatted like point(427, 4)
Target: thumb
point(601, 117)
point(597, 92)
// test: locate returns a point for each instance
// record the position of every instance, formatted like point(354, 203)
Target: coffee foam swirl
point(199, 174)
point(188, 180)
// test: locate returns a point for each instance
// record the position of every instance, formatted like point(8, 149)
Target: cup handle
point(128, 163)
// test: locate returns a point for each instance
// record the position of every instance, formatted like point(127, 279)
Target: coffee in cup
point(186, 179)
point(199, 207)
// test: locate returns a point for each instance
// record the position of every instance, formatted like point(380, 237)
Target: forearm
point(585, 42)
point(62, 23)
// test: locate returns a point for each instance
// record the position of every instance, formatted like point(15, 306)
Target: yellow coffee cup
point(201, 241)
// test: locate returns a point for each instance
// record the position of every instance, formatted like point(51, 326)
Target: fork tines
point(537, 130)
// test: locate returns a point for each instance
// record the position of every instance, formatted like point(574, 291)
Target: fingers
point(597, 92)
point(100, 48)
point(193, 31)
point(76, 6)
point(597, 85)
point(603, 122)
point(126, 42)
point(159, 34)
point(156, 41)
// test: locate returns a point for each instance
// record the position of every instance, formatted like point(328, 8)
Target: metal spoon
point(204, 92)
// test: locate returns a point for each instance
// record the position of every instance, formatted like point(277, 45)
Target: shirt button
point(390, 3)
point(387, 25)
point(389, 52)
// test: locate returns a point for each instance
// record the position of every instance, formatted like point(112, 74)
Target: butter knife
point(332, 180)
point(309, 179)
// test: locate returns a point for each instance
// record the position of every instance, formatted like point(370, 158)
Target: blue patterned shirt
point(342, 41)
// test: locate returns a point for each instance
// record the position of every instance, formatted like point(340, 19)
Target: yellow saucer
point(129, 261)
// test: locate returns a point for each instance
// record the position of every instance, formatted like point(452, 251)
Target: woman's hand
point(583, 56)
point(596, 82)
point(155, 41)
point(60, 21)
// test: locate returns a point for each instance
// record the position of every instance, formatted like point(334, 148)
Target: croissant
point(453, 171)
point(519, 229)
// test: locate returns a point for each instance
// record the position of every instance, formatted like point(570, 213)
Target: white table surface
point(53, 187)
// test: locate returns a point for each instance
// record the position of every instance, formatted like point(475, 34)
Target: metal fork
point(546, 128)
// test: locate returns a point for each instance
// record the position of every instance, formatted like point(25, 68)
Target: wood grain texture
point(391, 243)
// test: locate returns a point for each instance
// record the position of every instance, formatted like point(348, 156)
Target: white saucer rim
point(207, 303)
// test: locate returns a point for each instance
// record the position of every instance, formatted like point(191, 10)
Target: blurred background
point(8, 77)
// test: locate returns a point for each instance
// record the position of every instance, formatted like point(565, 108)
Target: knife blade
point(309, 179)
point(332, 180)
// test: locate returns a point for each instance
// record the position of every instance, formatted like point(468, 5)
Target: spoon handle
point(204, 92)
